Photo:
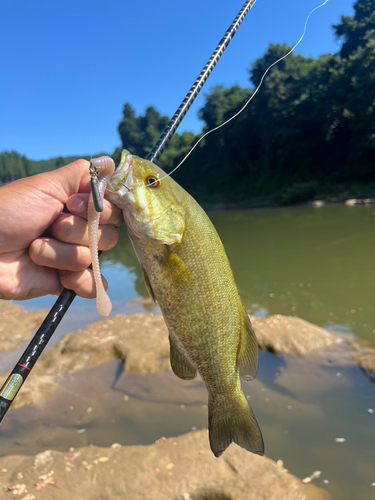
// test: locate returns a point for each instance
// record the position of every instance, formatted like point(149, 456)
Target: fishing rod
point(31, 354)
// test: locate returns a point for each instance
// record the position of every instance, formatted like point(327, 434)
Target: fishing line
point(249, 100)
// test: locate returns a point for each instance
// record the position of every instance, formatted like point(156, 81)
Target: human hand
point(43, 234)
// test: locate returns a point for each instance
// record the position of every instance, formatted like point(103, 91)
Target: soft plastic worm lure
point(101, 169)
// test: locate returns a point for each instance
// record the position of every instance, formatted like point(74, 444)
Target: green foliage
point(310, 126)
point(13, 167)
point(357, 30)
point(296, 193)
point(140, 133)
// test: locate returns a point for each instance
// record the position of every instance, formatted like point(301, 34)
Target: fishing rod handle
point(175, 121)
point(32, 352)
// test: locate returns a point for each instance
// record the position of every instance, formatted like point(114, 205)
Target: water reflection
point(123, 254)
point(313, 263)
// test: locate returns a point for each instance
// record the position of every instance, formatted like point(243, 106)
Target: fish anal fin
point(180, 365)
point(148, 285)
point(248, 350)
point(240, 428)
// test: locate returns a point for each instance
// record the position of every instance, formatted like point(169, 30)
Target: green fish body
point(187, 273)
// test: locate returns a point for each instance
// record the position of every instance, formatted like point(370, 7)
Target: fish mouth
point(121, 182)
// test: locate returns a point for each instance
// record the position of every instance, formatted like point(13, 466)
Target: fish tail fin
point(240, 428)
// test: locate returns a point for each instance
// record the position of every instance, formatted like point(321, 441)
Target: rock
point(144, 472)
point(288, 334)
point(318, 203)
point(366, 361)
point(38, 387)
point(139, 340)
point(16, 324)
point(42, 462)
point(353, 201)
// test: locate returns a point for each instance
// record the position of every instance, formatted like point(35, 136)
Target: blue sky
point(68, 67)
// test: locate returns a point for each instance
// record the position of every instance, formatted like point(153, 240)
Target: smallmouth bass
point(188, 275)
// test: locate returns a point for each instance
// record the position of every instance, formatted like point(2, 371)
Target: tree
point(357, 30)
point(355, 112)
point(11, 167)
point(139, 133)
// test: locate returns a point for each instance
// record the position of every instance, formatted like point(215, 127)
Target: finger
point(21, 279)
point(49, 252)
point(77, 204)
point(81, 282)
point(41, 199)
point(72, 229)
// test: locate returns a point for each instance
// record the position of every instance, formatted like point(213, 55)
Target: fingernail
point(77, 205)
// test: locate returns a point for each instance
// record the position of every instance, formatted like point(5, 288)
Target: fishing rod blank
point(176, 119)
point(28, 359)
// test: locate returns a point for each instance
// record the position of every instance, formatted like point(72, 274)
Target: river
point(315, 263)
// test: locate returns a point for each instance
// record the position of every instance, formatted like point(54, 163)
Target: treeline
point(13, 166)
point(309, 131)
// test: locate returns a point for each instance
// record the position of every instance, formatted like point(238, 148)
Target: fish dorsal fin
point(180, 365)
point(148, 285)
point(248, 351)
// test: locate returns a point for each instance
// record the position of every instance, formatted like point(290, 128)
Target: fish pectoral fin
point(148, 285)
point(248, 350)
point(180, 365)
point(176, 267)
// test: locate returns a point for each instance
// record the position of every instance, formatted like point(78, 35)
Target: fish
point(187, 273)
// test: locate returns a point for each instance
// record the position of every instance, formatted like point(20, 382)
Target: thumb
point(66, 181)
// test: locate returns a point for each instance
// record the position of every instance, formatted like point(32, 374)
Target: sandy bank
point(16, 324)
point(181, 468)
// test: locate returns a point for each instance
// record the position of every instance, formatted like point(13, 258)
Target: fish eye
point(152, 182)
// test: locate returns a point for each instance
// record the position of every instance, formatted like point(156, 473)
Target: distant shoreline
point(269, 204)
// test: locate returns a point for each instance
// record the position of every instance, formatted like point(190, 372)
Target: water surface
point(303, 405)
point(315, 263)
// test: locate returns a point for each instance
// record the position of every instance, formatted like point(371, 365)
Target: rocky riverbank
point(140, 341)
point(181, 468)
point(175, 468)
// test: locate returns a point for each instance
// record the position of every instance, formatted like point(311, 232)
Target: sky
point(68, 67)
